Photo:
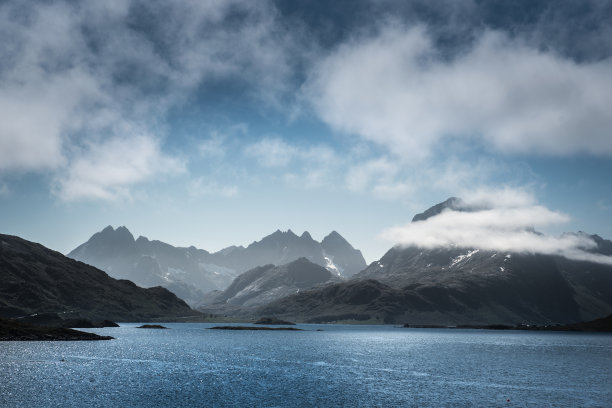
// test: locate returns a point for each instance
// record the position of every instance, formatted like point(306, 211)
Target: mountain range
point(37, 280)
point(297, 278)
point(458, 285)
point(191, 272)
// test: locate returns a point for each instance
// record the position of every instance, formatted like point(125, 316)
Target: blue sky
point(215, 123)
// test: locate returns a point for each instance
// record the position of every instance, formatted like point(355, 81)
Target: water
point(344, 366)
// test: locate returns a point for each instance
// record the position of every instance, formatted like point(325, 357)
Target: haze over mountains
point(264, 284)
point(191, 272)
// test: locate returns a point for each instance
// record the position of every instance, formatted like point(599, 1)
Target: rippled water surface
point(189, 365)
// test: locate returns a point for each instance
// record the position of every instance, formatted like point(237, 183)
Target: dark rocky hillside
point(455, 285)
point(12, 330)
point(542, 290)
point(518, 287)
point(35, 279)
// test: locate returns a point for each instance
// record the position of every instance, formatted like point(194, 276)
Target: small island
point(151, 326)
point(253, 328)
point(11, 330)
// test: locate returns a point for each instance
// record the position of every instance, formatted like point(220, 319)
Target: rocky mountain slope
point(532, 289)
point(189, 272)
point(264, 284)
point(35, 279)
point(455, 285)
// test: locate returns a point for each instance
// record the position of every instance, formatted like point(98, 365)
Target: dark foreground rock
point(11, 330)
point(35, 280)
point(274, 321)
point(151, 326)
point(54, 320)
point(253, 328)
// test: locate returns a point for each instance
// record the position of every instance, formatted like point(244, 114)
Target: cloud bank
point(85, 87)
point(490, 222)
point(397, 89)
point(78, 79)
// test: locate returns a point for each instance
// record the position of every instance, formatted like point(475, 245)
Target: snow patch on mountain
point(463, 257)
point(331, 266)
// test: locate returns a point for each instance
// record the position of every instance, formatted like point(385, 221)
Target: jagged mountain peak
point(279, 235)
point(306, 236)
point(453, 203)
point(334, 235)
point(120, 233)
point(335, 239)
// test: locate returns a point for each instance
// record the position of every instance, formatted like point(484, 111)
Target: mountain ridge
point(191, 272)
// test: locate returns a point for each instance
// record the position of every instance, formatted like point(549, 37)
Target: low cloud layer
point(397, 89)
point(490, 222)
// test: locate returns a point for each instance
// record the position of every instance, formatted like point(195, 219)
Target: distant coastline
point(603, 325)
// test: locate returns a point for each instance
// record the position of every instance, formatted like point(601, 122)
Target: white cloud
point(381, 177)
point(505, 221)
point(506, 197)
point(202, 187)
point(212, 147)
point(305, 166)
point(106, 170)
point(271, 152)
point(397, 90)
point(74, 76)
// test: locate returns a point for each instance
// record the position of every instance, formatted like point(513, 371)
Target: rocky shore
point(11, 330)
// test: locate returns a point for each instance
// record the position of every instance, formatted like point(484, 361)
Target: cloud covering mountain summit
point(488, 223)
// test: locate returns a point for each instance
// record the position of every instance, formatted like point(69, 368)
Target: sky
point(215, 123)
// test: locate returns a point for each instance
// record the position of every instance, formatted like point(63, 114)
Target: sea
point(190, 365)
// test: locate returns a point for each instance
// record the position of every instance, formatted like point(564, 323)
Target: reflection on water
point(340, 366)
